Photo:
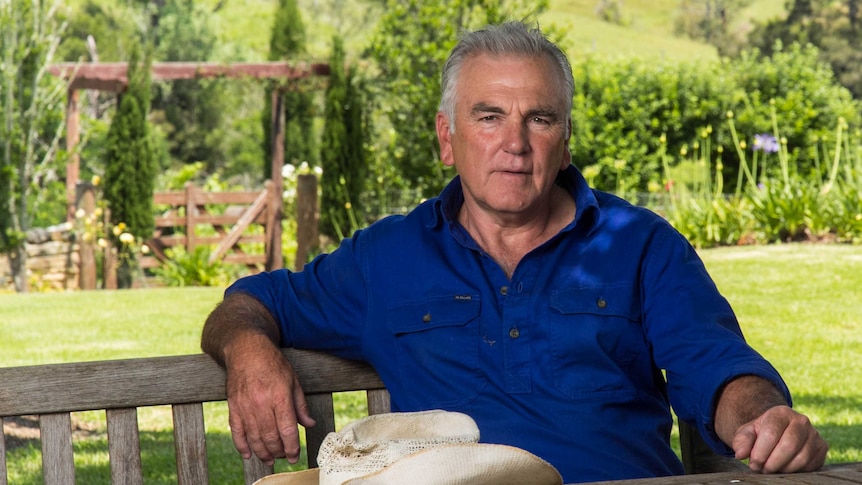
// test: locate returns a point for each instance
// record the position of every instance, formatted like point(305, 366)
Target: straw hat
point(423, 448)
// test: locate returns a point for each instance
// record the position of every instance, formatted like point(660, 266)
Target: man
point(541, 308)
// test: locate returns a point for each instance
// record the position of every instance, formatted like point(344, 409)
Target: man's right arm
point(264, 396)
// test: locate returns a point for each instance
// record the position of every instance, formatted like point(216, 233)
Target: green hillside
point(647, 30)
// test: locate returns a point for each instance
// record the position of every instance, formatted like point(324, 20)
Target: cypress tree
point(287, 42)
point(130, 164)
point(342, 153)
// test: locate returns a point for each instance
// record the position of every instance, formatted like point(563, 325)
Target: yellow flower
point(662, 139)
point(127, 238)
point(742, 144)
point(348, 205)
point(96, 180)
point(730, 114)
point(102, 242)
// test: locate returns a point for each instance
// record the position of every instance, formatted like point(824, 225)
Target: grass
point(798, 305)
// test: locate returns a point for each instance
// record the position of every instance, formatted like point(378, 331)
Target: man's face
point(511, 136)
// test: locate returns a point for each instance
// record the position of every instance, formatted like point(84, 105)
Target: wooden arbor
point(112, 77)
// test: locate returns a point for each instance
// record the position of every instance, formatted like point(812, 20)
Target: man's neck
point(508, 238)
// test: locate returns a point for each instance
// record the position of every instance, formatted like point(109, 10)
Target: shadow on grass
point(839, 420)
point(158, 460)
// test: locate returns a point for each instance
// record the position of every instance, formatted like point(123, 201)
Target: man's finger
point(237, 433)
point(743, 441)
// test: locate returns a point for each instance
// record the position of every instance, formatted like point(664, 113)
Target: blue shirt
point(564, 359)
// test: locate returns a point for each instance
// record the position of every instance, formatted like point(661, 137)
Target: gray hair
point(510, 38)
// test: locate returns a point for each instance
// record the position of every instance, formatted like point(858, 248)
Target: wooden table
point(839, 474)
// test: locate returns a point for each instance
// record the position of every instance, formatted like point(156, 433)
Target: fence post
point(109, 265)
point(85, 198)
point(306, 218)
point(274, 254)
point(191, 212)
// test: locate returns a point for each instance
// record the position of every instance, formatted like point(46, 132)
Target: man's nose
point(516, 138)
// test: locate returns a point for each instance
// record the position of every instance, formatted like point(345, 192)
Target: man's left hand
point(780, 441)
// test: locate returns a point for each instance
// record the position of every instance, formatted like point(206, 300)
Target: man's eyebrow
point(481, 107)
point(544, 113)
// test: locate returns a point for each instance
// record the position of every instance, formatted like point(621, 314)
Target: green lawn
point(799, 305)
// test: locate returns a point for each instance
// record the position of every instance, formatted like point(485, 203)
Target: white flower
point(127, 238)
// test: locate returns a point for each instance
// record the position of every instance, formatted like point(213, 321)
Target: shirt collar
point(448, 203)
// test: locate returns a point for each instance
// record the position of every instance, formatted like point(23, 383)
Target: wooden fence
point(227, 221)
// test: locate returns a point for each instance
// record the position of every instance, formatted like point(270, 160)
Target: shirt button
point(514, 332)
point(504, 290)
point(426, 318)
point(601, 303)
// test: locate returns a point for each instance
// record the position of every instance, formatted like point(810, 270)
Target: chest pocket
point(437, 350)
point(598, 342)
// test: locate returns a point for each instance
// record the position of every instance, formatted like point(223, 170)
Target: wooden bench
point(120, 387)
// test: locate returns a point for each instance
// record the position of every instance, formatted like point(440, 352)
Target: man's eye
point(541, 121)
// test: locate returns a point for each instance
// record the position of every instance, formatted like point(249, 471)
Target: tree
point(712, 21)
point(31, 106)
point(342, 153)
point(130, 164)
point(833, 27)
point(410, 45)
point(287, 42)
point(190, 111)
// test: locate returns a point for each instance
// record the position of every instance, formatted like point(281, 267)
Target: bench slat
point(58, 464)
point(378, 401)
point(320, 407)
point(4, 479)
point(45, 389)
point(124, 446)
point(254, 469)
point(190, 443)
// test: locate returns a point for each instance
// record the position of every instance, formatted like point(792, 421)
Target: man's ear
point(567, 153)
point(444, 137)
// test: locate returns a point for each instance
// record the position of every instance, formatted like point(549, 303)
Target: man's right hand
point(265, 400)
point(264, 397)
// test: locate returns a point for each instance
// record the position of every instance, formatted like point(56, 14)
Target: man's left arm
point(753, 417)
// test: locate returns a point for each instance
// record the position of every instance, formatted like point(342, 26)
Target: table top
point(838, 474)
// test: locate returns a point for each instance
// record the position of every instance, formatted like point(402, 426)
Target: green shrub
point(626, 109)
point(192, 269)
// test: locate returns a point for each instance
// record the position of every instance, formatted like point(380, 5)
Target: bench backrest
point(120, 387)
point(53, 391)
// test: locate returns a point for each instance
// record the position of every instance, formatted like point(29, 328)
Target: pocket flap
point(434, 312)
point(609, 300)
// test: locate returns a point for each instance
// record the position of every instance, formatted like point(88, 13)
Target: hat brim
point(467, 464)
point(304, 477)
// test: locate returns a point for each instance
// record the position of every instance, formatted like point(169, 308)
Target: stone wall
point(52, 260)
